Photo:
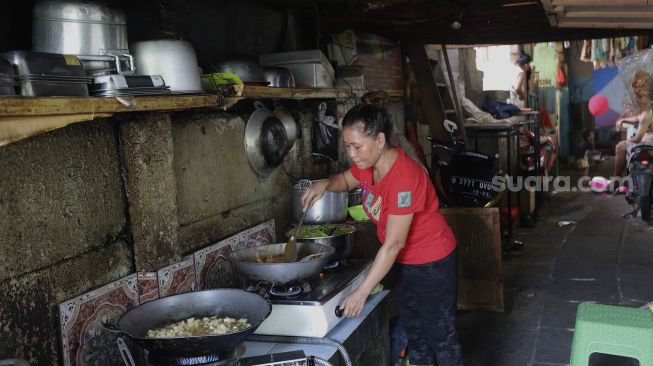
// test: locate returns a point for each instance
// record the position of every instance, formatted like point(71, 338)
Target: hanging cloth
point(586, 51)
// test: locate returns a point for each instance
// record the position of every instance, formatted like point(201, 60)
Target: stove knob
point(339, 311)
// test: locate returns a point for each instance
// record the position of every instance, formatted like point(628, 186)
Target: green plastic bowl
point(357, 213)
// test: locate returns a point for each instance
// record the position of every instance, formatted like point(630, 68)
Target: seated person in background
point(583, 152)
point(644, 135)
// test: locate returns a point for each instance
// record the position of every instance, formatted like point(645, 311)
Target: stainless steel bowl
point(341, 243)
point(279, 77)
point(248, 70)
point(332, 207)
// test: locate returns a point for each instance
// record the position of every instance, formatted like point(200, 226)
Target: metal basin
point(341, 243)
point(245, 262)
point(173, 59)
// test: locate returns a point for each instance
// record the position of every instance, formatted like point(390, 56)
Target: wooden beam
point(430, 101)
point(601, 2)
point(604, 11)
point(16, 128)
point(636, 16)
point(603, 23)
point(549, 12)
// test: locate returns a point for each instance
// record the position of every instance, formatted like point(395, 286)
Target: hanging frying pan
point(268, 138)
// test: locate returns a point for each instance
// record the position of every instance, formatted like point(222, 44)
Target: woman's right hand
point(314, 193)
point(618, 124)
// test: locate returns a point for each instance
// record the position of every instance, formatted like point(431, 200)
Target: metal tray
point(35, 88)
point(29, 63)
point(7, 80)
point(116, 82)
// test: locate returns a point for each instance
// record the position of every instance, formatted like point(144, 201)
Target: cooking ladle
point(290, 250)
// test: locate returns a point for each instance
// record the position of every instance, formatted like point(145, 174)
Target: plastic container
point(358, 213)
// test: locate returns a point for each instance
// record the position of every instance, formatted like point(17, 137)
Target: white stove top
point(313, 314)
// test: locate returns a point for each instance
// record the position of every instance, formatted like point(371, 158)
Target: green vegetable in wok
point(319, 231)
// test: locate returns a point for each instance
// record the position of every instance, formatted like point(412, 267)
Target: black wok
point(247, 263)
point(221, 302)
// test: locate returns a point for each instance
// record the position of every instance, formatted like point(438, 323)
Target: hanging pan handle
point(259, 105)
point(125, 353)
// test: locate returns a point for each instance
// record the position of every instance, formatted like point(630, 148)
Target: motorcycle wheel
point(646, 207)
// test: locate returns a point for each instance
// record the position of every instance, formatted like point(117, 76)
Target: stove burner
point(290, 290)
point(225, 359)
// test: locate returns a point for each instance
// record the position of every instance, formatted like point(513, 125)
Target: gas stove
point(224, 359)
point(294, 358)
point(312, 311)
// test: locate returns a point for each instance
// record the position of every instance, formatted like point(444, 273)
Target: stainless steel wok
point(245, 261)
point(221, 302)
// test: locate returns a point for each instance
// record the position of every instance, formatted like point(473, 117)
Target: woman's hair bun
point(377, 98)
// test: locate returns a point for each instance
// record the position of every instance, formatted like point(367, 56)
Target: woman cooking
point(401, 200)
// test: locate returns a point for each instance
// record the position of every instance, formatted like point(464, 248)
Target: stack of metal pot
point(95, 33)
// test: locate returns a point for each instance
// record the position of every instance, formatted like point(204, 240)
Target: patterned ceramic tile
point(177, 278)
point(148, 287)
point(84, 340)
point(258, 235)
point(211, 265)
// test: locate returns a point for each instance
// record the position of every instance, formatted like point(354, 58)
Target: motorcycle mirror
point(450, 126)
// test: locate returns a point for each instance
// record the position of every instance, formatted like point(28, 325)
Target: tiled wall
point(84, 340)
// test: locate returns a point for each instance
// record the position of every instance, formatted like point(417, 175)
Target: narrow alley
point(602, 258)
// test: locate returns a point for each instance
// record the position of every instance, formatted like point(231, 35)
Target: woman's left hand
point(354, 303)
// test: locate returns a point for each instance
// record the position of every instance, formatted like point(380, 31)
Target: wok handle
point(339, 311)
point(125, 353)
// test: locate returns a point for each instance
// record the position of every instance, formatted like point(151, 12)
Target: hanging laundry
point(586, 51)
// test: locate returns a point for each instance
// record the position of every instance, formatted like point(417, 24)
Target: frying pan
point(233, 303)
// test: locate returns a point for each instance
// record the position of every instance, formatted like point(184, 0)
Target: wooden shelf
point(22, 117)
point(22, 106)
point(265, 92)
point(47, 106)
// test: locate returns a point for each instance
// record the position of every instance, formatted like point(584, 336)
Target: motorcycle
point(640, 171)
point(464, 178)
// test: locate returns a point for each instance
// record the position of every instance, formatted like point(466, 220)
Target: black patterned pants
point(426, 300)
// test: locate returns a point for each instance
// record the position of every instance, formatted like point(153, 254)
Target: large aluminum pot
point(248, 263)
point(342, 242)
point(173, 59)
point(221, 302)
point(80, 27)
point(332, 207)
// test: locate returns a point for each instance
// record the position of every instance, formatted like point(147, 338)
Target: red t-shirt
point(404, 190)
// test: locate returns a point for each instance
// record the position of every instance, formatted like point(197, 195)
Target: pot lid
point(267, 140)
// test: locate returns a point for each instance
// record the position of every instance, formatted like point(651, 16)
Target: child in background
point(583, 152)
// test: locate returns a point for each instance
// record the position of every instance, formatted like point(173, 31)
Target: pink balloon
point(598, 105)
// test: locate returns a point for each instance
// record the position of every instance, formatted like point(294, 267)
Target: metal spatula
point(290, 250)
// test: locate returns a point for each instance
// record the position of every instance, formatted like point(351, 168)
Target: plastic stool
point(613, 330)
